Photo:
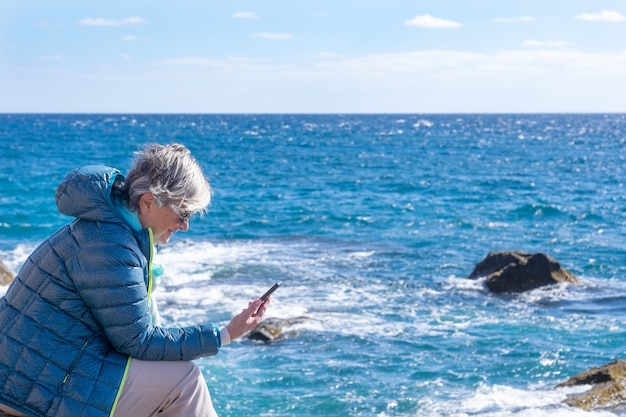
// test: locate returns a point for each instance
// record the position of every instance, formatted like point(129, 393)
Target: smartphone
point(270, 291)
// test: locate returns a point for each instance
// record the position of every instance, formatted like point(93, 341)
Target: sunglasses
point(183, 215)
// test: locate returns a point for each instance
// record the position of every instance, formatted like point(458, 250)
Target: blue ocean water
point(373, 223)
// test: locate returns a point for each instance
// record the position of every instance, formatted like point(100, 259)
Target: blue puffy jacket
point(78, 310)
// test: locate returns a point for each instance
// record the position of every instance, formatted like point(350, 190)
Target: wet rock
point(516, 271)
point(274, 328)
point(6, 276)
point(607, 387)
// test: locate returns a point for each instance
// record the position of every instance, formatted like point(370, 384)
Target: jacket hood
point(85, 193)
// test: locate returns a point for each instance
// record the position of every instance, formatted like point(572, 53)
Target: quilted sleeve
point(110, 275)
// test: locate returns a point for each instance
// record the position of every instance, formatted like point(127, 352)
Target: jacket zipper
point(128, 361)
point(71, 368)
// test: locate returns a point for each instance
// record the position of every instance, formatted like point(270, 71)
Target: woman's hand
point(248, 319)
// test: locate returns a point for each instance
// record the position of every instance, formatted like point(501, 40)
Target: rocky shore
point(6, 276)
point(516, 272)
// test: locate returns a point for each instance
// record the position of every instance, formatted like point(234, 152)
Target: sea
point(372, 222)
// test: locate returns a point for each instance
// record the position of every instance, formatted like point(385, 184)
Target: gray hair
point(172, 175)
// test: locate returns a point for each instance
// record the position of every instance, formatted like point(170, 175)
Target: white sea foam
point(213, 281)
point(224, 276)
point(13, 260)
point(505, 401)
point(423, 122)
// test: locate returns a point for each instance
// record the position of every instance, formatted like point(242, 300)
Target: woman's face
point(164, 221)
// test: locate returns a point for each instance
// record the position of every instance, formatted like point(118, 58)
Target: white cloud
point(541, 80)
point(430, 22)
point(229, 65)
point(397, 66)
point(273, 36)
point(53, 58)
point(327, 54)
point(522, 19)
point(48, 23)
point(437, 64)
point(245, 15)
point(422, 66)
point(133, 38)
point(603, 16)
point(194, 62)
point(111, 22)
point(545, 44)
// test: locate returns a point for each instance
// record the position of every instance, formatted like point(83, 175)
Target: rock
point(517, 271)
point(273, 328)
point(607, 387)
point(6, 276)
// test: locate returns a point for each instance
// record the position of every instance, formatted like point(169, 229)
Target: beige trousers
point(159, 388)
point(175, 389)
point(11, 412)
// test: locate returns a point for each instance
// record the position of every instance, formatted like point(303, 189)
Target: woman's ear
point(146, 203)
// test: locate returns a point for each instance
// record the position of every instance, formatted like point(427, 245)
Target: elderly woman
point(79, 330)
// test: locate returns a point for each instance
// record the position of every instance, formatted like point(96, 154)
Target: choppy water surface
point(372, 222)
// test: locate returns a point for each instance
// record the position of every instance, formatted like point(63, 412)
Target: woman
point(79, 330)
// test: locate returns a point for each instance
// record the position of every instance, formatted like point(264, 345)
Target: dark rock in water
point(517, 271)
point(607, 387)
point(274, 328)
point(6, 276)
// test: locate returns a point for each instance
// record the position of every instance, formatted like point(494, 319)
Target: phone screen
point(270, 291)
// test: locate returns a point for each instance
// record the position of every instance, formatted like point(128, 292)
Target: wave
point(506, 401)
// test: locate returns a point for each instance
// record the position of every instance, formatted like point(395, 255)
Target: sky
point(303, 56)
